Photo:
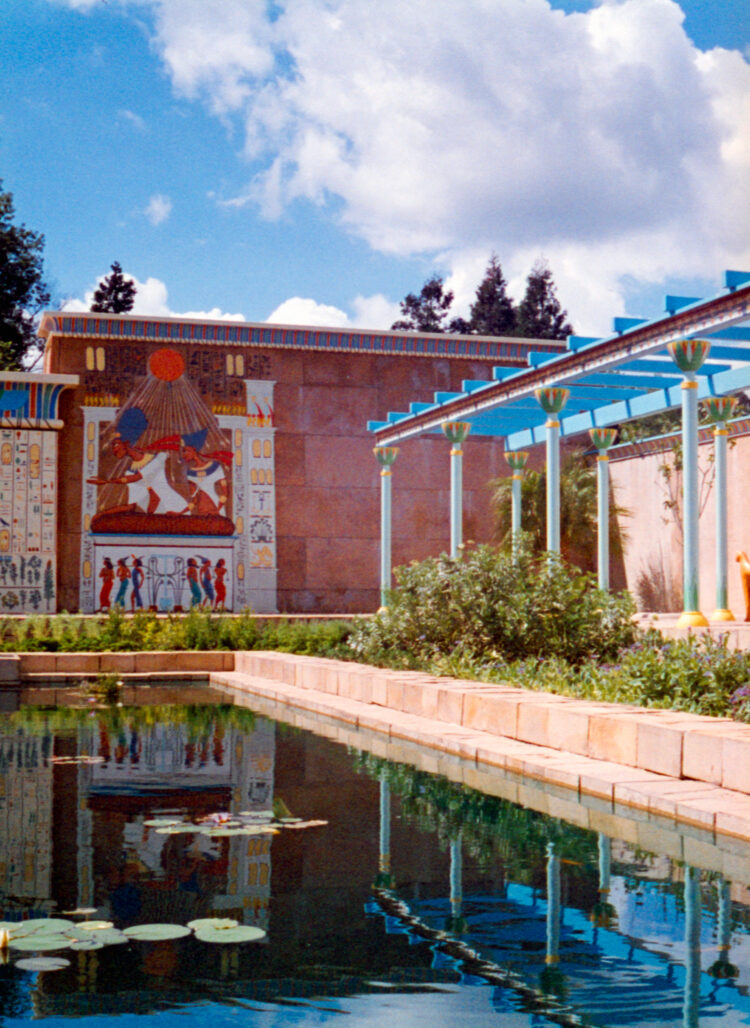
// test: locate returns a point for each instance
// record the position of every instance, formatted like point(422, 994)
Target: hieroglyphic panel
point(28, 489)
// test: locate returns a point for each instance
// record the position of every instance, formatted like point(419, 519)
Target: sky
point(313, 161)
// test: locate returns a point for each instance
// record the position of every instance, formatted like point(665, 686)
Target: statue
point(744, 561)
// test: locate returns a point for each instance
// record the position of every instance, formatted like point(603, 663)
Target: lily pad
point(40, 943)
point(81, 911)
point(265, 815)
point(93, 926)
point(86, 944)
point(242, 933)
point(42, 963)
point(305, 824)
point(159, 822)
point(156, 932)
point(212, 922)
point(177, 829)
point(105, 937)
point(41, 926)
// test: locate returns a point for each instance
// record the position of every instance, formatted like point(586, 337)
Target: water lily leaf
point(86, 944)
point(81, 911)
point(305, 824)
point(212, 922)
point(40, 943)
point(41, 925)
point(264, 814)
point(177, 829)
point(289, 820)
point(242, 933)
point(42, 963)
point(156, 932)
point(93, 926)
point(159, 822)
point(104, 936)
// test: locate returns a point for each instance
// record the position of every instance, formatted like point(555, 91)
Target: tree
point(23, 292)
point(428, 311)
point(115, 294)
point(539, 315)
point(492, 312)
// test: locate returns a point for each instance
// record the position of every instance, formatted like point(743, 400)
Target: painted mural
point(173, 516)
point(28, 494)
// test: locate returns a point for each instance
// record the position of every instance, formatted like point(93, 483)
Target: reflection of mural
point(171, 460)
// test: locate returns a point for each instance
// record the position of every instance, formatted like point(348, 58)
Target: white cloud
point(158, 210)
point(299, 310)
point(604, 140)
point(151, 298)
point(135, 119)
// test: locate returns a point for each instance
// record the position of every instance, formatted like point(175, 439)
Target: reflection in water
point(415, 884)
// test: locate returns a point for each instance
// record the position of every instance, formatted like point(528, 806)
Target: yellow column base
point(722, 615)
point(691, 619)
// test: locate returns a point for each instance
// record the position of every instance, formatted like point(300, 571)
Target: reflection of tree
point(491, 828)
point(200, 721)
point(14, 995)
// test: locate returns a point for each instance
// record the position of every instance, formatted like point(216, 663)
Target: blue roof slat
point(447, 397)
point(375, 426)
point(502, 371)
point(579, 342)
point(417, 408)
point(672, 304)
point(629, 381)
point(394, 416)
point(621, 325)
point(738, 334)
point(733, 279)
point(729, 353)
point(537, 357)
point(471, 385)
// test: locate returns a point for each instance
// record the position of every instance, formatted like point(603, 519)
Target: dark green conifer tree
point(115, 294)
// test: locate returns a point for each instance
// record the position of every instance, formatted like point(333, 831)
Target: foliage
point(115, 294)
point(539, 314)
point(427, 311)
point(493, 604)
point(199, 720)
point(492, 313)
point(196, 630)
point(23, 292)
point(578, 505)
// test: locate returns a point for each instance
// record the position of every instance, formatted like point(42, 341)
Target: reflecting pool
point(378, 891)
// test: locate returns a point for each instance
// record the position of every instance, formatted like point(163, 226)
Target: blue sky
point(312, 161)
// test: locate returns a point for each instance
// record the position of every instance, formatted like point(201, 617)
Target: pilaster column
point(517, 462)
point(689, 355)
point(384, 879)
point(719, 410)
point(692, 993)
point(553, 905)
point(456, 432)
point(385, 455)
point(602, 438)
point(552, 399)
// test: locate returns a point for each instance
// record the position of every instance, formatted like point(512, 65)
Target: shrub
point(491, 603)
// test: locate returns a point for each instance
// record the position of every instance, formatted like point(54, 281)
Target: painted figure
point(206, 582)
point(136, 600)
point(206, 474)
point(146, 479)
point(107, 575)
point(123, 575)
point(220, 573)
point(744, 563)
point(192, 580)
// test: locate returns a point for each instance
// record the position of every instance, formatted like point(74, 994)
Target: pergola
point(698, 350)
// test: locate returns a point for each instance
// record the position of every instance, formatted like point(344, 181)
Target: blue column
point(692, 994)
point(719, 410)
point(602, 438)
point(689, 355)
point(552, 400)
point(385, 455)
point(384, 857)
point(456, 432)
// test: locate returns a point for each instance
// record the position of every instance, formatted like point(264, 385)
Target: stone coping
point(704, 750)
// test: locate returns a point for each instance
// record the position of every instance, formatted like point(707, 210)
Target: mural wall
point(28, 491)
point(178, 496)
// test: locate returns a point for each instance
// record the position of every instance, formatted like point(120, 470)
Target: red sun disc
point(166, 364)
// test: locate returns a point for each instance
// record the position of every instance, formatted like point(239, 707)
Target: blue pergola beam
point(672, 304)
point(734, 279)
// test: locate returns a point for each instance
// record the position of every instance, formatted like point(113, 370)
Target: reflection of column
point(517, 461)
point(552, 401)
point(386, 455)
point(456, 882)
point(384, 878)
point(689, 355)
point(602, 438)
point(719, 409)
point(722, 968)
point(691, 1001)
point(553, 905)
point(456, 432)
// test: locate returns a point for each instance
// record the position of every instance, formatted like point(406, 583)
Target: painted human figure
point(107, 575)
point(136, 600)
point(206, 474)
point(192, 580)
point(220, 573)
point(123, 576)
point(146, 479)
point(206, 582)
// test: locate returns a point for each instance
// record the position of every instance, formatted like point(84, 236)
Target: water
point(417, 900)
